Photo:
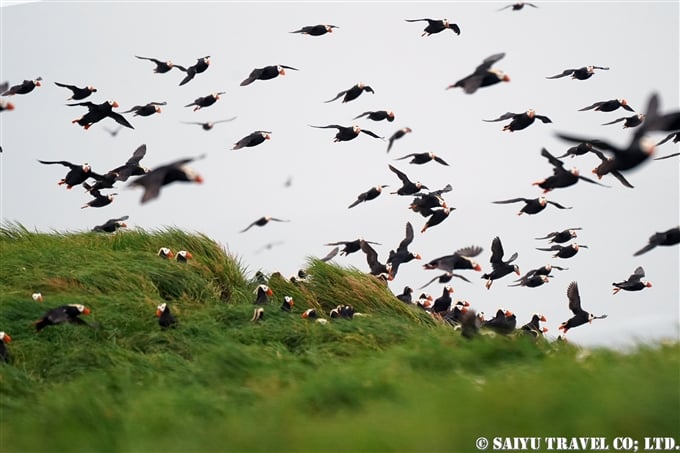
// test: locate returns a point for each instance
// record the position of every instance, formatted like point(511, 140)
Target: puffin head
point(37, 297)
point(183, 256)
point(165, 252)
point(81, 308)
point(542, 201)
point(112, 103)
point(5, 338)
point(91, 88)
point(390, 116)
point(530, 113)
point(515, 269)
point(265, 289)
point(281, 70)
point(448, 289)
point(309, 314)
point(539, 317)
point(160, 309)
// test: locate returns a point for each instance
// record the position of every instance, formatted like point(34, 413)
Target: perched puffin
point(377, 115)
point(445, 278)
point(518, 6)
point(483, 76)
point(24, 87)
point(78, 93)
point(351, 246)
point(436, 26)
point(500, 268)
point(561, 177)
point(183, 256)
point(408, 187)
point(461, 259)
point(376, 267)
point(38, 297)
point(147, 109)
point(208, 125)
point(520, 120)
point(532, 205)
point(442, 304)
point(342, 311)
point(406, 295)
point(566, 251)
point(423, 158)
point(287, 304)
point(437, 217)
point(262, 221)
point(455, 315)
point(605, 166)
point(263, 293)
point(580, 315)
point(165, 318)
point(164, 175)
point(352, 93)
point(253, 139)
point(111, 225)
point(533, 327)
point(200, 66)
point(403, 254)
point(560, 237)
point(628, 121)
point(504, 322)
point(315, 30)
point(312, 315)
point(668, 237)
point(346, 133)
point(77, 174)
point(4, 340)
point(583, 73)
point(370, 194)
point(258, 314)
point(397, 135)
point(65, 313)
point(131, 166)
point(100, 200)
point(205, 101)
point(578, 150)
point(634, 282)
point(608, 106)
point(266, 73)
point(165, 253)
point(424, 301)
point(97, 112)
point(162, 66)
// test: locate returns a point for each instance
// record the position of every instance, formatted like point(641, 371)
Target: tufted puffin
point(628, 121)
point(200, 66)
point(111, 225)
point(77, 174)
point(376, 267)
point(403, 254)
point(520, 120)
point(533, 327)
point(561, 177)
point(532, 205)
point(266, 73)
point(668, 237)
point(634, 282)
point(78, 93)
point(500, 268)
point(504, 322)
point(608, 106)
point(315, 30)
point(483, 76)
point(436, 26)
point(263, 293)
point(561, 237)
point(423, 158)
point(461, 259)
point(208, 125)
point(352, 93)
point(262, 221)
point(580, 315)
point(165, 253)
point(346, 133)
point(147, 109)
point(580, 74)
point(408, 187)
point(65, 313)
point(351, 246)
point(4, 340)
point(100, 200)
point(97, 112)
point(24, 87)
point(397, 135)
point(518, 6)
point(205, 101)
point(370, 194)
point(564, 251)
point(183, 256)
point(164, 175)
point(377, 115)
point(165, 317)
point(253, 139)
point(162, 66)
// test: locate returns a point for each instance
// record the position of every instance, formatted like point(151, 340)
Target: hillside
point(391, 380)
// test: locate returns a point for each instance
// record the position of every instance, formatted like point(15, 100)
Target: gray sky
point(94, 43)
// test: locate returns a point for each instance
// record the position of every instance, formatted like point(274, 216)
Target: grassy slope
point(389, 381)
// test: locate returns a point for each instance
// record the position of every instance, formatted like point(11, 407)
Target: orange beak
point(282, 72)
point(543, 319)
point(37, 83)
point(649, 284)
point(270, 292)
point(199, 179)
point(517, 272)
point(189, 256)
point(158, 109)
point(86, 311)
point(7, 338)
point(9, 106)
point(123, 225)
point(508, 313)
point(158, 313)
point(545, 329)
point(418, 256)
point(304, 315)
point(115, 104)
point(506, 78)
point(267, 137)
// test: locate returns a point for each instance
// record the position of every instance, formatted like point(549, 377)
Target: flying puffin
point(461, 259)
point(205, 101)
point(266, 73)
point(532, 205)
point(65, 313)
point(97, 112)
point(423, 158)
point(668, 237)
point(253, 139)
point(370, 194)
point(408, 187)
point(24, 87)
point(520, 120)
point(346, 133)
point(608, 106)
point(164, 175)
point(533, 327)
point(561, 237)
point(580, 74)
point(4, 340)
point(605, 166)
point(444, 278)
point(566, 251)
point(131, 166)
point(543, 270)
point(634, 282)
point(183, 256)
point(561, 177)
point(77, 174)
point(402, 254)
point(100, 200)
point(287, 304)
point(263, 293)
point(628, 121)
point(436, 26)
point(500, 268)
point(578, 150)
point(315, 30)
point(397, 135)
point(78, 93)
point(377, 115)
point(162, 66)
point(533, 281)
point(200, 66)
point(208, 125)
point(351, 246)
point(352, 93)
point(262, 221)
point(165, 253)
point(165, 317)
point(504, 322)
point(426, 203)
point(518, 6)
point(483, 76)
point(437, 217)
point(377, 268)
point(580, 315)
point(111, 225)
point(147, 109)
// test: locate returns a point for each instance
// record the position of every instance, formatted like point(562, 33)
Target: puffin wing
point(372, 134)
point(564, 73)
point(120, 119)
point(505, 116)
point(637, 275)
point(512, 200)
point(557, 205)
point(574, 298)
point(488, 62)
point(403, 245)
point(61, 162)
point(338, 96)
point(496, 251)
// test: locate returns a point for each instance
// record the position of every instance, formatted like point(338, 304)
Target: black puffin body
point(461, 259)
point(162, 66)
point(376, 267)
point(483, 76)
point(533, 327)
point(436, 26)
point(518, 6)
point(500, 268)
point(65, 313)
point(315, 30)
point(406, 296)
point(351, 246)
point(370, 194)
point(77, 174)
point(352, 93)
point(111, 225)
point(24, 87)
point(561, 237)
point(377, 115)
point(408, 187)
point(442, 304)
point(97, 112)
point(504, 322)
point(608, 106)
point(437, 217)
point(633, 283)
point(253, 139)
point(131, 166)
point(520, 120)
point(561, 177)
point(164, 175)
point(583, 73)
point(100, 200)
point(262, 221)
point(566, 251)
point(266, 73)
point(578, 150)
point(347, 133)
point(78, 93)
point(165, 317)
point(201, 65)
point(287, 304)
point(532, 205)
point(4, 353)
point(628, 121)
point(668, 237)
point(205, 101)
point(397, 135)
point(147, 109)
point(403, 254)
point(263, 293)
point(423, 158)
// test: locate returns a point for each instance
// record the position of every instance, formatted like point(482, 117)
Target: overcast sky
point(95, 43)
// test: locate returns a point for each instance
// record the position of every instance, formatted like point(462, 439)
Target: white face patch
point(162, 307)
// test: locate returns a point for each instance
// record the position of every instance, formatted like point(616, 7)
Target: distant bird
point(97, 112)
point(518, 6)
point(533, 327)
point(258, 314)
point(370, 194)
point(24, 87)
point(532, 205)
point(263, 293)
point(377, 115)
point(461, 259)
point(668, 237)
point(436, 26)
point(423, 158)
point(165, 317)
point(113, 132)
point(442, 304)
point(346, 133)
point(403, 255)
point(162, 66)
point(520, 120)
point(561, 177)
point(605, 166)
point(500, 268)
point(564, 251)
point(287, 304)
point(266, 73)
point(351, 246)
point(503, 323)
point(78, 173)
point(406, 296)
point(147, 109)
point(578, 150)
point(580, 74)
point(208, 125)
point(628, 121)
point(38, 297)
point(131, 166)
point(111, 225)
point(262, 221)
point(444, 278)
point(408, 187)
point(634, 282)
point(561, 237)
point(437, 217)
point(608, 106)
point(352, 93)
point(183, 256)
point(205, 101)
point(100, 200)
point(397, 135)
point(200, 66)
point(59, 315)
point(315, 30)
point(376, 267)
point(5, 339)
point(165, 253)
point(78, 93)
point(483, 76)
point(253, 139)
point(580, 315)
point(153, 181)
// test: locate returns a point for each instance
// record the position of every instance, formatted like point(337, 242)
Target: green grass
point(392, 380)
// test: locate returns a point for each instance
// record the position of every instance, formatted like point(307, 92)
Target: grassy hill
point(392, 380)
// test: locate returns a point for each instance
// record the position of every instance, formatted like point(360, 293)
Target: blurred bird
point(147, 109)
point(564, 251)
point(370, 194)
point(38, 297)
point(100, 200)
point(24, 87)
point(444, 278)
point(605, 166)
point(377, 115)
point(504, 322)
point(376, 267)
point(111, 225)
point(208, 125)
point(500, 268)
point(65, 313)
point(437, 217)
point(262, 221)
point(423, 158)
point(266, 73)
point(578, 150)
point(461, 259)
point(581, 73)
point(315, 30)
point(408, 187)
point(520, 120)
point(397, 135)
point(205, 101)
point(287, 304)
point(561, 237)
point(561, 177)
point(580, 315)
point(351, 246)
point(352, 93)
point(201, 65)
point(131, 166)
point(97, 112)
point(628, 121)
point(77, 174)
point(153, 181)
point(533, 281)
point(5, 339)
point(483, 76)
point(253, 139)
point(608, 106)
point(668, 237)
point(634, 282)
point(162, 66)
point(675, 136)
point(436, 26)
point(346, 133)
point(165, 317)
point(258, 314)
point(518, 6)
point(78, 93)
point(533, 205)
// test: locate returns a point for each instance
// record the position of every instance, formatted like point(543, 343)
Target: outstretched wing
point(512, 200)
point(574, 298)
point(637, 275)
point(403, 245)
point(137, 156)
point(496, 251)
point(618, 120)
point(372, 134)
point(557, 205)
point(504, 116)
point(564, 73)
point(400, 175)
point(120, 119)
point(338, 96)
point(61, 162)
point(488, 62)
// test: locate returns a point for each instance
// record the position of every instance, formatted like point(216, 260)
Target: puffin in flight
point(520, 120)
point(315, 30)
point(205, 101)
point(162, 66)
point(483, 76)
point(397, 135)
point(634, 282)
point(147, 109)
point(59, 315)
point(583, 73)
point(24, 87)
point(252, 139)
point(262, 221)
point(208, 125)
point(201, 65)
point(77, 174)
point(377, 115)
point(370, 194)
point(580, 315)
point(436, 26)
point(347, 133)
point(97, 112)
point(532, 205)
point(668, 237)
point(500, 268)
point(352, 93)
point(78, 93)
point(111, 225)
point(266, 73)
point(423, 158)
point(164, 175)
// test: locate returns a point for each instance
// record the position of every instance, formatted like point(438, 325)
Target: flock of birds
point(430, 204)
